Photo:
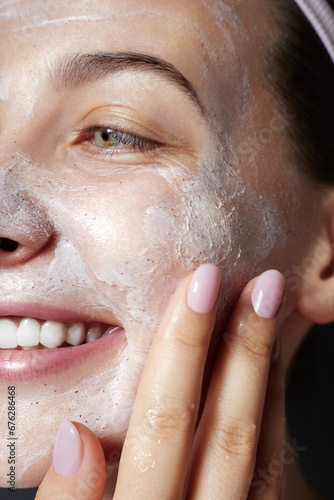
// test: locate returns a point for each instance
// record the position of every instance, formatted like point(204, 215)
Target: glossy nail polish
point(268, 294)
point(204, 288)
point(67, 450)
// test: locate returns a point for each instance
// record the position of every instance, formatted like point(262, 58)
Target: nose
point(19, 243)
point(7, 245)
point(25, 229)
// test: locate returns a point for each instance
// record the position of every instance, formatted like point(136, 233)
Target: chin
point(93, 382)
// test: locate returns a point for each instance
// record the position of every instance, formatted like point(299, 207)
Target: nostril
point(7, 245)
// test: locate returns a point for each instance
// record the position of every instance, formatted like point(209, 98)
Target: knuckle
point(255, 348)
point(171, 419)
point(189, 339)
point(236, 436)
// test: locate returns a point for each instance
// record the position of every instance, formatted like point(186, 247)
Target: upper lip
point(63, 315)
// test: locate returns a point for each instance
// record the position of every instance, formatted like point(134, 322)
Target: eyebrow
point(76, 70)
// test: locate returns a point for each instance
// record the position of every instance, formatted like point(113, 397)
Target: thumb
point(78, 470)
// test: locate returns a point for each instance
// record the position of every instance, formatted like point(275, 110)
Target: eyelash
point(136, 143)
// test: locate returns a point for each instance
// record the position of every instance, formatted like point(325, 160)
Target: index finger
point(158, 445)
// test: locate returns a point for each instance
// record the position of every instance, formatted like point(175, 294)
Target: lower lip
point(21, 365)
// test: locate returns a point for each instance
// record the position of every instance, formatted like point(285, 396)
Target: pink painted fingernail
point(67, 450)
point(268, 294)
point(204, 289)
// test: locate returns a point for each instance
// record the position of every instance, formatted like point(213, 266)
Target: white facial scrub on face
point(189, 219)
point(5, 82)
point(197, 222)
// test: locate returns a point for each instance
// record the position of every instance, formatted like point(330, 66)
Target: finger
point(158, 445)
point(226, 442)
point(78, 469)
point(267, 481)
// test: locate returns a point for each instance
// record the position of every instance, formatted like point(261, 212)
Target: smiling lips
point(29, 347)
point(30, 333)
point(18, 365)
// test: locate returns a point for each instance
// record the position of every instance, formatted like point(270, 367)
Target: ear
point(316, 293)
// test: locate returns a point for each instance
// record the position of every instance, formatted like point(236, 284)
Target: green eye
point(108, 141)
point(107, 138)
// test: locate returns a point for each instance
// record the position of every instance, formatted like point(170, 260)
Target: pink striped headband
point(321, 16)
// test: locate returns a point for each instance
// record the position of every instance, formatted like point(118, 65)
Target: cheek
point(228, 223)
point(127, 233)
point(125, 242)
point(140, 235)
point(124, 246)
point(5, 84)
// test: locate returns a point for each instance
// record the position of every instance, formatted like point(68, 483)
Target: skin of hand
point(246, 394)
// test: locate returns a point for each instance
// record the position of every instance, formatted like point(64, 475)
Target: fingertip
point(92, 454)
point(204, 289)
point(78, 469)
point(93, 465)
point(268, 293)
point(67, 450)
point(78, 452)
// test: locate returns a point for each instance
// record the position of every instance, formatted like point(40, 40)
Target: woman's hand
point(234, 453)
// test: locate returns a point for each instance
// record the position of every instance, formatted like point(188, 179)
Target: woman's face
point(119, 175)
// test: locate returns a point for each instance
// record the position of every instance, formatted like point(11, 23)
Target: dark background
point(18, 494)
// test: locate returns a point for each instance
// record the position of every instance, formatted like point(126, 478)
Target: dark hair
point(302, 75)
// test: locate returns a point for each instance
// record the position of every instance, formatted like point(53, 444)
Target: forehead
point(203, 28)
point(185, 16)
point(42, 12)
point(212, 42)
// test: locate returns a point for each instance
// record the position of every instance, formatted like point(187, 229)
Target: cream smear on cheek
point(228, 223)
point(19, 212)
point(208, 219)
point(107, 414)
point(5, 83)
point(67, 270)
point(214, 217)
point(32, 213)
point(210, 216)
point(220, 220)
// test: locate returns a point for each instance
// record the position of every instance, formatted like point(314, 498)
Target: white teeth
point(28, 333)
point(76, 334)
point(33, 334)
point(93, 333)
point(53, 334)
point(8, 337)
